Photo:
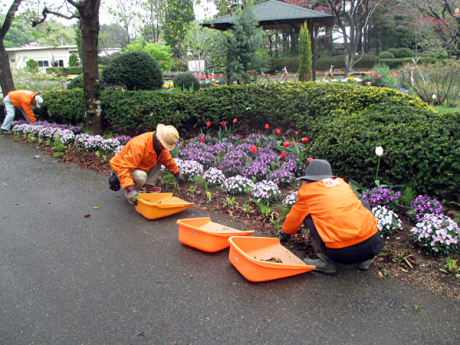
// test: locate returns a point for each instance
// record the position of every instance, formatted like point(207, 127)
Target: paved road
point(117, 278)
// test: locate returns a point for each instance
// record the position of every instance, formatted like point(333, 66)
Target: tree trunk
point(6, 78)
point(89, 25)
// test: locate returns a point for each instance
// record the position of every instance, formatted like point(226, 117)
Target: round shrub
point(404, 53)
point(76, 82)
point(186, 81)
point(386, 55)
point(393, 51)
point(136, 70)
point(420, 146)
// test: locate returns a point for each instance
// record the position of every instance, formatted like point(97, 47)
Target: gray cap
point(317, 170)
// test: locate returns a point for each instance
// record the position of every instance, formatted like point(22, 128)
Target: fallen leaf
point(191, 276)
point(141, 334)
point(381, 275)
point(36, 156)
point(96, 206)
point(163, 324)
point(87, 215)
point(5, 184)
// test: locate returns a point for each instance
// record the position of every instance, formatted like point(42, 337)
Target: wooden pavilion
point(279, 15)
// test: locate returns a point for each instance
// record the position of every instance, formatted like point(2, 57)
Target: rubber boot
point(323, 264)
point(365, 264)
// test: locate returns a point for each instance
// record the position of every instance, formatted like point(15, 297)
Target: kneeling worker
point(139, 161)
point(342, 227)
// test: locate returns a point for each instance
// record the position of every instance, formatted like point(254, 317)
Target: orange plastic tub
point(158, 205)
point(249, 255)
point(203, 234)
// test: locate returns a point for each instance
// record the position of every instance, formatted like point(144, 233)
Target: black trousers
point(354, 254)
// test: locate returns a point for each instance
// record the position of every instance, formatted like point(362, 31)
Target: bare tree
point(6, 78)
point(87, 11)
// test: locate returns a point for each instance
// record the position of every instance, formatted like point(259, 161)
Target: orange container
point(249, 255)
point(203, 234)
point(158, 205)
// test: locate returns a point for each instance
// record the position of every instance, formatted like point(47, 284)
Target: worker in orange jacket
point(23, 100)
point(342, 227)
point(138, 164)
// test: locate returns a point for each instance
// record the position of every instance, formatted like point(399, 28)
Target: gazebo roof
point(277, 15)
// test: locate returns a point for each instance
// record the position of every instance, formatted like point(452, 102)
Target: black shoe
point(5, 132)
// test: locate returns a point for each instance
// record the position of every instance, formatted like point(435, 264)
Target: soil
point(400, 259)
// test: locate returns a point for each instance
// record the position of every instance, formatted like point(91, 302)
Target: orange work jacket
point(23, 99)
point(138, 153)
point(339, 216)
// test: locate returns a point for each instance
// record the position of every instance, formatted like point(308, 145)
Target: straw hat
point(318, 169)
point(167, 135)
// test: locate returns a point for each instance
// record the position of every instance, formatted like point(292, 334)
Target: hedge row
point(64, 70)
point(134, 112)
point(345, 123)
point(397, 63)
point(324, 64)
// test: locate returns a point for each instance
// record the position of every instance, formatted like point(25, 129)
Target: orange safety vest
point(138, 153)
point(339, 216)
point(23, 99)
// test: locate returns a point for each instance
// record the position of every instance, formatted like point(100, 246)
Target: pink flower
point(295, 76)
point(234, 120)
point(350, 73)
point(202, 140)
point(296, 132)
point(221, 75)
point(378, 76)
point(309, 160)
point(316, 72)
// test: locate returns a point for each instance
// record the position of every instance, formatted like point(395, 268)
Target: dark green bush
point(66, 107)
point(136, 70)
point(386, 55)
point(420, 147)
point(64, 70)
point(186, 81)
point(397, 63)
point(393, 51)
point(76, 82)
point(404, 53)
point(338, 61)
point(292, 64)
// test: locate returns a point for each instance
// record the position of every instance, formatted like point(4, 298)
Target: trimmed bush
point(76, 82)
point(404, 53)
point(64, 70)
point(136, 70)
point(386, 55)
point(186, 81)
point(397, 63)
point(393, 51)
point(338, 61)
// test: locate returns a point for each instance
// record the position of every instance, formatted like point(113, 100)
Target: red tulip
point(208, 123)
point(267, 126)
point(292, 143)
point(285, 144)
point(283, 155)
point(234, 120)
point(309, 160)
point(254, 149)
point(222, 123)
point(305, 140)
point(296, 132)
point(181, 143)
point(278, 130)
point(202, 140)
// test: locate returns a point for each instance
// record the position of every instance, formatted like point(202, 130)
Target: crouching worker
point(23, 100)
point(139, 162)
point(342, 227)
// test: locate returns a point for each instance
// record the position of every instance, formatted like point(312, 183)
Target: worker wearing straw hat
point(138, 164)
point(342, 227)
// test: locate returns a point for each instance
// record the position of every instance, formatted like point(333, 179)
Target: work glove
point(283, 236)
point(179, 177)
point(132, 195)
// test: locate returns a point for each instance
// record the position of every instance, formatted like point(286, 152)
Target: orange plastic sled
point(250, 257)
point(158, 205)
point(203, 234)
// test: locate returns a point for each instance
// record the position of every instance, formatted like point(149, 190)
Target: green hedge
point(64, 70)
point(421, 148)
point(338, 61)
point(344, 122)
point(397, 63)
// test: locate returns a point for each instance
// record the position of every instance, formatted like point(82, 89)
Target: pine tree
point(244, 40)
point(304, 54)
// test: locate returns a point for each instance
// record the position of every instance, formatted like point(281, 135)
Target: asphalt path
point(118, 278)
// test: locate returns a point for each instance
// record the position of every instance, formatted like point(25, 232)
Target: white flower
point(434, 96)
point(379, 151)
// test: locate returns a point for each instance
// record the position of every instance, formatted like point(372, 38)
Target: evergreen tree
point(304, 54)
point(244, 40)
point(73, 60)
point(178, 14)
